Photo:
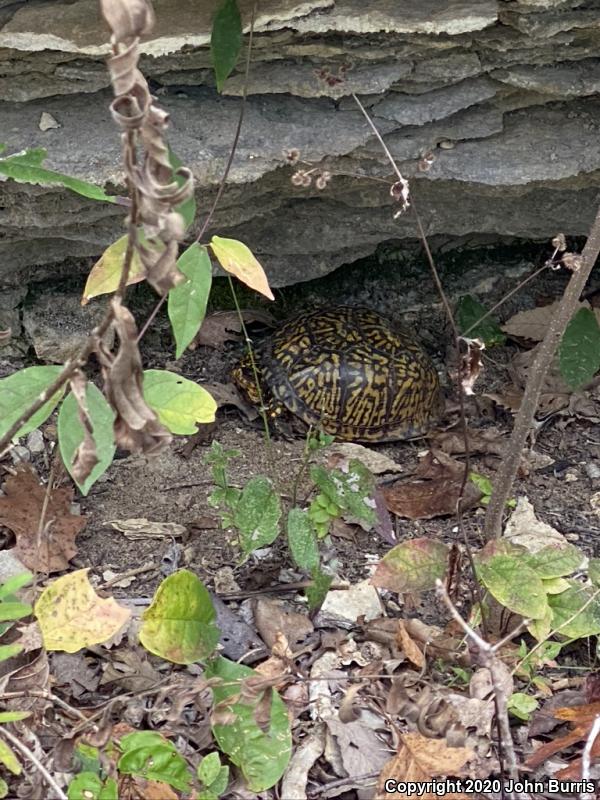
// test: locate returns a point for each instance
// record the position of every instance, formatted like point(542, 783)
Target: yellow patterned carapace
point(347, 372)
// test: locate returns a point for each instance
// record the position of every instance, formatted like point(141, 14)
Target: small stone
point(20, 453)
point(592, 470)
point(571, 477)
point(35, 441)
point(47, 122)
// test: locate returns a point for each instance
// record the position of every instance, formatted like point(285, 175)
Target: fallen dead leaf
point(419, 759)
point(272, 619)
point(141, 528)
point(533, 323)
point(433, 491)
point(226, 394)
point(409, 646)
point(581, 719)
point(21, 511)
point(525, 529)
point(341, 453)
point(488, 441)
point(225, 326)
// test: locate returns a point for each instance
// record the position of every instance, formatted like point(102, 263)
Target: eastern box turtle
point(345, 371)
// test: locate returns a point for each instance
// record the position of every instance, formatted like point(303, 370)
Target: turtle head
point(244, 377)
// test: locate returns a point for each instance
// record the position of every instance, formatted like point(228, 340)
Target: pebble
point(19, 453)
point(592, 470)
point(35, 441)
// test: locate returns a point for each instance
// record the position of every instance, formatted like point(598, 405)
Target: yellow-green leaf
point(105, 274)
point(72, 616)
point(238, 259)
point(180, 623)
point(9, 759)
point(179, 402)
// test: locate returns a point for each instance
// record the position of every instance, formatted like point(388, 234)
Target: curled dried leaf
point(86, 456)
point(128, 19)
point(136, 426)
point(471, 363)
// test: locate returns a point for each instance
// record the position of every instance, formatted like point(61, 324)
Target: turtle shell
point(348, 372)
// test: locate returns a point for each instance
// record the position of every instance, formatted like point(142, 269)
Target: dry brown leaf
point(489, 441)
point(341, 453)
point(85, 457)
point(225, 326)
point(136, 426)
point(533, 323)
point(433, 491)
point(581, 718)
point(409, 646)
point(21, 511)
point(421, 759)
point(227, 394)
point(272, 619)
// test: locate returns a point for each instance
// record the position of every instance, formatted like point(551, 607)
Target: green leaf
point(14, 610)
point(180, 624)
point(187, 209)
point(351, 491)
point(187, 301)
point(570, 604)
point(302, 540)
point(3, 788)
point(20, 390)
point(26, 168)
point(541, 628)
point(484, 484)
point(555, 585)
point(317, 592)
point(8, 758)
point(154, 758)
point(521, 705)
point(257, 514)
point(514, 584)
point(14, 583)
point(261, 756)
point(226, 40)
point(71, 434)
point(468, 312)
point(9, 651)
point(412, 566)
point(579, 350)
point(555, 561)
point(178, 402)
point(13, 716)
point(89, 786)
point(594, 571)
point(213, 775)
point(86, 758)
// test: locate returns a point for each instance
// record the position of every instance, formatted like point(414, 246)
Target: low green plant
point(255, 510)
point(11, 610)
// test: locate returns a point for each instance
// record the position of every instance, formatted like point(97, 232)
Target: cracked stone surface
point(501, 94)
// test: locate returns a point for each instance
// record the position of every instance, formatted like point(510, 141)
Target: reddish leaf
point(21, 511)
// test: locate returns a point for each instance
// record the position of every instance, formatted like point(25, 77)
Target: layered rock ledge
point(503, 95)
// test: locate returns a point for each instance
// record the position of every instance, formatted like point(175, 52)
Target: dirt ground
point(175, 487)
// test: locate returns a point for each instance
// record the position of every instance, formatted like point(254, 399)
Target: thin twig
point(26, 752)
point(506, 475)
point(226, 171)
point(494, 665)
point(43, 693)
point(586, 757)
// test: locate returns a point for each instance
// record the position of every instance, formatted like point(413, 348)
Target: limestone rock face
point(501, 95)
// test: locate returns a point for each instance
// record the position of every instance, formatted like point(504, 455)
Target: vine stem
point(26, 752)
point(507, 473)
